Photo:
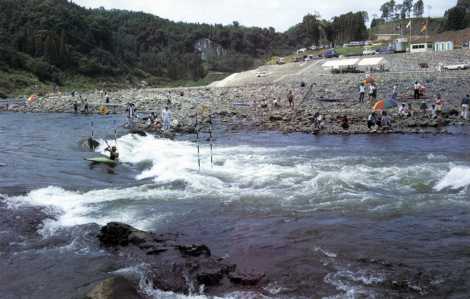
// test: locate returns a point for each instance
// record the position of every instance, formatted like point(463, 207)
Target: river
point(323, 217)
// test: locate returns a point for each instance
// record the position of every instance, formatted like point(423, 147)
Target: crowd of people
point(152, 121)
point(80, 105)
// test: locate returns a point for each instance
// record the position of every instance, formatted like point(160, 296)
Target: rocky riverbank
point(255, 108)
point(257, 99)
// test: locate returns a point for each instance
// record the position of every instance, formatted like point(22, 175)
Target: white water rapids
point(300, 178)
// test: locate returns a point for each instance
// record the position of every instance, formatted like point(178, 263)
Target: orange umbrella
point(384, 104)
point(32, 99)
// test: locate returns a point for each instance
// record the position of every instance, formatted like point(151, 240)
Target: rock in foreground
point(176, 267)
point(114, 288)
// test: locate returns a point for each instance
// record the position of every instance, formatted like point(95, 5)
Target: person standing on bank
point(167, 118)
point(465, 106)
point(362, 92)
point(290, 99)
point(417, 90)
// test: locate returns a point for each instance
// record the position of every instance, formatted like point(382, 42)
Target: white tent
point(372, 61)
point(340, 63)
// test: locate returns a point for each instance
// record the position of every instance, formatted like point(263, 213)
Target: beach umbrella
point(385, 104)
point(32, 99)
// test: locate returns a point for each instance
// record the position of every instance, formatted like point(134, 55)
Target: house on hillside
point(208, 48)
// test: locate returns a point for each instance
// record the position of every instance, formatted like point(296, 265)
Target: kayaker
point(113, 153)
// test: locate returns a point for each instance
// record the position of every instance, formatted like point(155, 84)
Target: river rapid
point(322, 217)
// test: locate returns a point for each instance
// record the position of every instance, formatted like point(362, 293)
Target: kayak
point(102, 160)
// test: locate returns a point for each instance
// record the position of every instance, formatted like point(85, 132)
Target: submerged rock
point(114, 288)
point(176, 267)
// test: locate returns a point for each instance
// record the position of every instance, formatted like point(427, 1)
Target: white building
point(421, 47)
point(443, 46)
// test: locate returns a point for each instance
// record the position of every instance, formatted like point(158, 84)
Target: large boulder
point(114, 288)
point(175, 267)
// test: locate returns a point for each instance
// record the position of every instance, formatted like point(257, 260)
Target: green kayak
point(102, 160)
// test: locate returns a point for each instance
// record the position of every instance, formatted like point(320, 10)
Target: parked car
point(456, 67)
point(330, 54)
point(368, 52)
point(385, 51)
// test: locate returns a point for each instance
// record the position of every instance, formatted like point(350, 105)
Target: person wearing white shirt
point(417, 88)
point(362, 92)
point(167, 118)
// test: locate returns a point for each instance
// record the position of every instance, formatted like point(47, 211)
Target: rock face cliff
point(209, 49)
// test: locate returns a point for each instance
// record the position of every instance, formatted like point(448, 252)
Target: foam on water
point(139, 273)
point(458, 177)
point(302, 178)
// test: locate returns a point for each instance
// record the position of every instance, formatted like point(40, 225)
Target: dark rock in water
point(115, 234)
point(89, 144)
point(92, 143)
point(138, 132)
point(185, 130)
point(168, 135)
point(170, 278)
point(245, 279)
point(211, 273)
point(175, 267)
point(194, 250)
point(114, 288)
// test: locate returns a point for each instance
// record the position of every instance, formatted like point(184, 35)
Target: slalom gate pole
point(115, 132)
point(91, 141)
point(197, 141)
point(210, 140)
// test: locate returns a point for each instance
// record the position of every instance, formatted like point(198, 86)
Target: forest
point(456, 18)
point(54, 38)
point(57, 39)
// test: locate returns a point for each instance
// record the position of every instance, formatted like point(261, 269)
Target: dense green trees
point(53, 37)
point(392, 11)
point(418, 9)
point(350, 27)
point(458, 17)
point(103, 42)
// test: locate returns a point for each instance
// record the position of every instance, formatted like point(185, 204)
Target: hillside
point(46, 42)
point(435, 25)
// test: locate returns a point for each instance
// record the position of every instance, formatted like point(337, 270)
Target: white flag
point(409, 25)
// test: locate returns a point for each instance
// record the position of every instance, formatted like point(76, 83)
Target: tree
point(312, 29)
point(349, 27)
point(399, 12)
point(388, 9)
point(376, 22)
point(456, 19)
point(407, 6)
point(385, 9)
point(418, 9)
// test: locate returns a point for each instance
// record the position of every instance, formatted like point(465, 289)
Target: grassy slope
point(19, 83)
point(435, 25)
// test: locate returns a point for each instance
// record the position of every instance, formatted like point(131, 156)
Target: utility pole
point(427, 26)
